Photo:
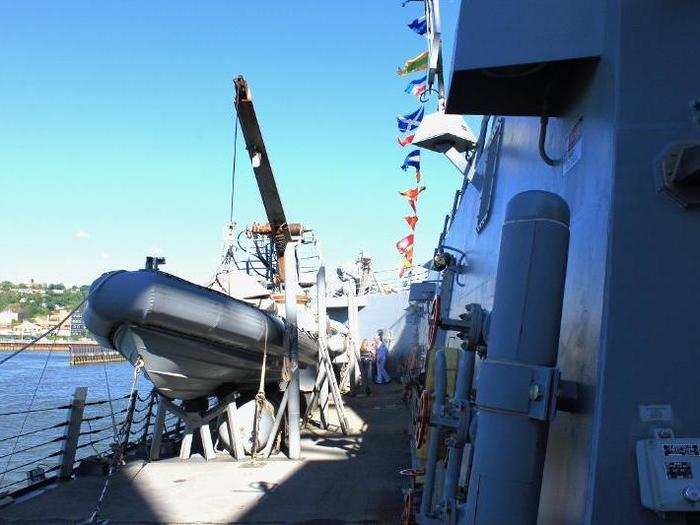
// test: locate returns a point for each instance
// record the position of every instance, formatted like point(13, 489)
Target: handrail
point(32, 447)
point(52, 455)
point(46, 471)
point(97, 418)
point(141, 429)
point(33, 410)
point(96, 431)
point(57, 425)
point(104, 401)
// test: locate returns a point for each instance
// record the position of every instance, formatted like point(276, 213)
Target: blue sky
point(116, 130)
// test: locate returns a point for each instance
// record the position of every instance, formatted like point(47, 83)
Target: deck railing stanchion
point(75, 420)
point(158, 428)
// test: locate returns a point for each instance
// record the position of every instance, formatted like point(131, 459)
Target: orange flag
point(411, 220)
point(412, 195)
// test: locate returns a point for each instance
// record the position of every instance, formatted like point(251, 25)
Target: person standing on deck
point(366, 359)
point(382, 353)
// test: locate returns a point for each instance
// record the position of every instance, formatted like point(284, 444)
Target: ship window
point(485, 174)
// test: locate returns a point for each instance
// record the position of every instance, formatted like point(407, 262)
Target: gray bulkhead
point(630, 333)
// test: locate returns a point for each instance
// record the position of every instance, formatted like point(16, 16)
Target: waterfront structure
point(7, 318)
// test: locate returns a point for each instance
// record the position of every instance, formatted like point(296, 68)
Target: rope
point(260, 399)
point(109, 397)
point(97, 452)
point(118, 456)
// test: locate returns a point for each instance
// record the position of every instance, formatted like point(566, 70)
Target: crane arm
point(261, 164)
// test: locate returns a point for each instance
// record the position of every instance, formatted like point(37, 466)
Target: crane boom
point(279, 229)
point(258, 157)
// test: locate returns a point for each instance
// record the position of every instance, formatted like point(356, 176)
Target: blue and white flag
point(412, 159)
point(410, 122)
point(419, 25)
point(418, 86)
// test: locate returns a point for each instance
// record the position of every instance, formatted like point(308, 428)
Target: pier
point(80, 353)
point(339, 479)
point(86, 354)
point(46, 346)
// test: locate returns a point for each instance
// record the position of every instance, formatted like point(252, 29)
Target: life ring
point(423, 418)
point(433, 322)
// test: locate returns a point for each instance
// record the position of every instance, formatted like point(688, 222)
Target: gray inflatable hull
point(192, 340)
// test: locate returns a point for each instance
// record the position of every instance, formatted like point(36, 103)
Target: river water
point(37, 380)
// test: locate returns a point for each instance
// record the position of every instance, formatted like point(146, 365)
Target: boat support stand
point(197, 422)
point(325, 379)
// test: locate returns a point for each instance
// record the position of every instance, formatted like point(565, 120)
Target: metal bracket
point(471, 326)
point(523, 389)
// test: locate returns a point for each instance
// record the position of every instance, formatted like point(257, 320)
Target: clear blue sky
point(116, 130)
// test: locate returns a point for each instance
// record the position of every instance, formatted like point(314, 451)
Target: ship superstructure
point(561, 345)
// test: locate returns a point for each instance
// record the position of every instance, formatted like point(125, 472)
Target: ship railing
point(388, 281)
point(68, 435)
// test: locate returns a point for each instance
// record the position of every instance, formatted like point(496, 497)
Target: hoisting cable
point(118, 455)
point(260, 400)
point(233, 165)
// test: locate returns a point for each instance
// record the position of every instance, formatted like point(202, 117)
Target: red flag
point(412, 196)
point(404, 141)
point(405, 244)
point(411, 220)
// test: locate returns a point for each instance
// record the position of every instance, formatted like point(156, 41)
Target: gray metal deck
point(341, 479)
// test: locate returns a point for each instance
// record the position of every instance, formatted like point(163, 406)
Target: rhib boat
point(193, 341)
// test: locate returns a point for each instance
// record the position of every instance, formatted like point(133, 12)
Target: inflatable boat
point(193, 341)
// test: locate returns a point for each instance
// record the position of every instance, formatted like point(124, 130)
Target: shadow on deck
point(341, 479)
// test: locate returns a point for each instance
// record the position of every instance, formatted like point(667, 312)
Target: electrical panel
point(524, 58)
point(669, 474)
